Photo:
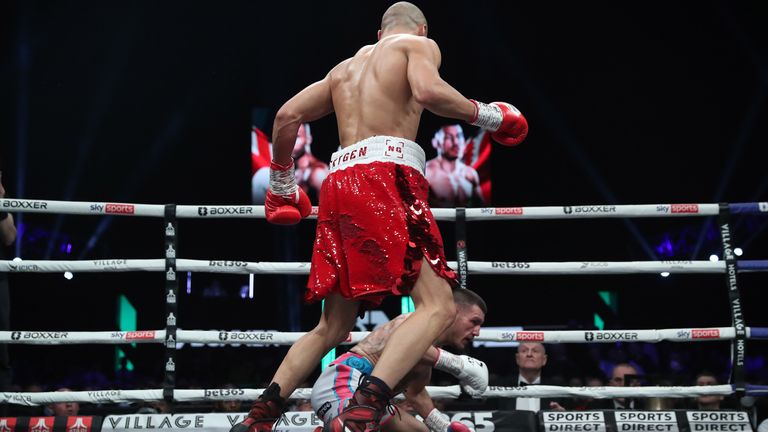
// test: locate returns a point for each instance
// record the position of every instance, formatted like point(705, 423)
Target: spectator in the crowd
point(302, 405)
point(155, 407)
point(63, 408)
point(584, 403)
point(709, 402)
point(622, 374)
point(579, 403)
point(531, 357)
point(227, 405)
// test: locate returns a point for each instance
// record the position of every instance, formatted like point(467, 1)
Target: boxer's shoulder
point(407, 41)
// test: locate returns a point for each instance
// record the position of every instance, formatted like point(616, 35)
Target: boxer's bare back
point(381, 90)
point(371, 92)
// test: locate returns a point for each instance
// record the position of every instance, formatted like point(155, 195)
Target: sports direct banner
point(644, 421)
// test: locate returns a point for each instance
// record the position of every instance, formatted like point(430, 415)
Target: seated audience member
point(623, 374)
point(154, 407)
point(63, 408)
point(587, 403)
point(709, 402)
point(531, 357)
point(227, 405)
point(301, 404)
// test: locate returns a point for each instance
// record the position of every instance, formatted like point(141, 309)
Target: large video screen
point(310, 171)
point(459, 174)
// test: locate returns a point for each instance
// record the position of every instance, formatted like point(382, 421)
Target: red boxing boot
point(264, 412)
point(363, 412)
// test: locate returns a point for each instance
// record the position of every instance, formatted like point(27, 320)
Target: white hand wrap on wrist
point(448, 362)
point(488, 117)
point(437, 421)
point(283, 181)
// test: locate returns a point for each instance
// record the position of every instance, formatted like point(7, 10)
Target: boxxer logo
point(589, 336)
point(590, 209)
point(202, 211)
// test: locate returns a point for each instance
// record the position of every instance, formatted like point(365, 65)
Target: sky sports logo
point(509, 210)
point(523, 336)
point(684, 208)
point(113, 208)
point(705, 333)
point(140, 335)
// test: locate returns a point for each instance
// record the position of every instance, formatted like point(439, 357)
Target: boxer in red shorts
point(375, 234)
point(370, 243)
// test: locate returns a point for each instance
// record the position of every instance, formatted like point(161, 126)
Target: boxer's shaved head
point(463, 296)
point(402, 15)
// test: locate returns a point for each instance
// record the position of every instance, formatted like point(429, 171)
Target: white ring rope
point(446, 392)
point(302, 268)
point(287, 338)
point(254, 211)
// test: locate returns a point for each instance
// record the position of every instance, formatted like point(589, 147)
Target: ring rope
point(497, 213)
point(302, 268)
point(444, 392)
point(551, 212)
point(39, 337)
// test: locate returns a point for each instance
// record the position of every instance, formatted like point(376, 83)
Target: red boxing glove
point(286, 203)
point(459, 427)
point(506, 124)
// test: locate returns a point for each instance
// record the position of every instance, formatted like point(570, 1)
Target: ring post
point(171, 305)
point(739, 343)
point(461, 245)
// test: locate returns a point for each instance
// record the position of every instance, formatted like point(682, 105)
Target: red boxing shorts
point(374, 226)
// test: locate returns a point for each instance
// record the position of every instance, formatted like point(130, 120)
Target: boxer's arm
point(428, 89)
point(435, 420)
point(471, 372)
point(416, 392)
point(309, 104)
point(430, 356)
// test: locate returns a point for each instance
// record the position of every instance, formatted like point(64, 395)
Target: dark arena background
point(152, 102)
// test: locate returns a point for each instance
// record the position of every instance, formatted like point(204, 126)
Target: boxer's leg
point(337, 320)
point(435, 312)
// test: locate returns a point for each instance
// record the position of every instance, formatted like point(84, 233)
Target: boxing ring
point(172, 335)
